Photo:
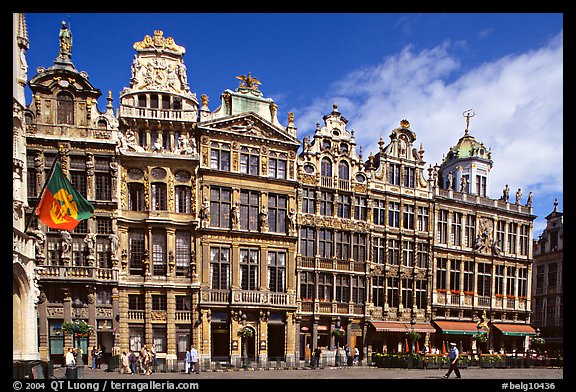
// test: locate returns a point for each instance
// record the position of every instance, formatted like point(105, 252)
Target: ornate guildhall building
point(209, 221)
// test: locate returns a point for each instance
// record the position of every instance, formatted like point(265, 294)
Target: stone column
point(170, 328)
point(123, 331)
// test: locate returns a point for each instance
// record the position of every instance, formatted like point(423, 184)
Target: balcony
point(247, 297)
point(330, 308)
point(82, 273)
point(156, 113)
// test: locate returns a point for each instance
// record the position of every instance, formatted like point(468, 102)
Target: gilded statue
point(248, 81)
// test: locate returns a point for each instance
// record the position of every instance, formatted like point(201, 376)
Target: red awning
point(515, 329)
point(457, 327)
point(399, 326)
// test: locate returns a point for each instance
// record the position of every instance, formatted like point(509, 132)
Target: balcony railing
point(68, 272)
point(183, 315)
point(326, 181)
point(248, 297)
point(327, 307)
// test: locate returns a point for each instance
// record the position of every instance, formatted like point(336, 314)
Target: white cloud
point(518, 101)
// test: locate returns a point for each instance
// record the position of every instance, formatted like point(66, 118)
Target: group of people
point(351, 358)
point(144, 363)
point(191, 361)
point(96, 357)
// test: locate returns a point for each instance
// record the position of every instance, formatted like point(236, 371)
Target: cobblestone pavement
point(357, 373)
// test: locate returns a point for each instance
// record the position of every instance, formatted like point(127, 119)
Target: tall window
point(136, 338)
point(470, 230)
point(325, 287)
point(220, 156)
point(249, 269)
point(421, 255)
point(308, 201)
point(136, 247)
point(307, 285)
point(406, 289)
point(344, 206)
point(409, 177)
point(136, 196)
point(158, 252)
point(379, 212)
point(394, 178)
point(249, 161)
point(408, 217)
point(457, 228)
point(220, 268)
point(408, 253)
point(524, 236)
point(220, 199)
point(468, 276)
point(512, 230)
point(394, 214)
point(65, 102)
point(443, 226)
point(359, 247)
point(249, 210)
point(360, 208)
point(500, 233)
point(159, 302)
point(183, 252)
point(499, 280)
point(358, 290)
point(342, 245)
point(159, 196)
point(31, 177)
point(307, 248)
point(78, 176)
point(454, 275)
point(326, 167)
point(326, 203)
point(103, 178)
point(511, 281)
point(481, 185)
point(420, 288)
point(540, 275)
point(277, 212)
point(325, 240)
point(159, 338)
point(393, 294)
point(441, 270)
point(393, 251)
point(378, 250)
point(342, 288)
point(523, 282)
point(423, 218)
point(552, 274)
point(277, 163)
point(378, 288)
point(277, 271)
point(182, 195)
point(343, 175)
point(484, 279)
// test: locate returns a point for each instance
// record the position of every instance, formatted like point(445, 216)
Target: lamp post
point(338, 326)
point(77, 304)
point(412, 323)
point(244, 342)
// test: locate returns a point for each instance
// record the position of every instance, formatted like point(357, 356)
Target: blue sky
point(379, 68)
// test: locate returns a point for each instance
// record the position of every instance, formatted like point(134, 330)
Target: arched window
point(65, 108)
point(326, 167)
point(343, 170)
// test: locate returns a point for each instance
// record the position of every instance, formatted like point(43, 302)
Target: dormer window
point(343, 148)
point(326, 144)
point(65, 108)
point(141, 100)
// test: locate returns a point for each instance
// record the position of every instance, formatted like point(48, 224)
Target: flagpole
point(57, 159)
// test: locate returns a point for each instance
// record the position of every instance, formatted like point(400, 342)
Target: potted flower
point(245, 332)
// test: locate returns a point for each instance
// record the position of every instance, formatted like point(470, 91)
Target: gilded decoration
point(159, 43)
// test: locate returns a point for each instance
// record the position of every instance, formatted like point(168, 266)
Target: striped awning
point(399, 326)
point(457, 327)
point(515, 329)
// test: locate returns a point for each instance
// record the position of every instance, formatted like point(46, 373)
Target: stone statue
point(90, 241)
point(205, 212)
point(506, 193)
point(114, 241)
point(529, 201)
point(65, 242)
point(263, 218)
point(65, 39)
point(450, 180)
point(464, 184)
point(518, 195)
point(496, 248)
point(136, 65)
point(236, 213)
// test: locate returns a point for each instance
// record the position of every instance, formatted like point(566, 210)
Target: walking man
point(454, 354)
point(194, 360)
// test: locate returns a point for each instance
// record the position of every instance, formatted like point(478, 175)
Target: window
point(159, 196)
point(141, 100)
point(136, 247)
point(342, 245)
point(78, 252)
point(182, 252)
point(277, 165)
point(378, 291)
point(423, 218)
point(136, 302)
point(220, 156)
point(500, 233)
point(379, 212)
point(342, 288)
point(394, 214)
point(307, 285)
point(358, 290)
point(136, 196)
point(420, 288)
point(470, 230)
point(78, 176)
point(512, 230)
point(407, 300)
point(421, 255)
point(325, 287)
point(378, 250)
point(136, 338)
point(393, 251)
point(220, 268)
point(540, 275)
point(249, 210)
point(457, 228)
point(443, 226)
point(307, 242)
point(408, 253)
point(360, 208)
point(220, 199)
point(344, 175)
point(165, 102)
point(484, 279)
point(159, 338)
point(359, 247)
point(158, 253)
point(344, 206)
point(409, 177)
point(441, 270)
point(499, 280)
point(104, 297)
point(325, 238)
point(408, 217)
point(277, 271)
point(393, 295)
point(481, 185)
point(454, 275)
point(326, 203)
point(158, 302)
point(142, 137)
point(31, 178)
point(103, 178)
point(468, 276)
point(65, 103)
point(277, 211)
point(394, 178)
point(552, 274)
point(326, 167)
point(522, 282)
point(183, 303)
point(182, 196)
point(249, 161)
point(154, 101)
point(524, 243)
point(308, 201)
point(249, 269)
point(510, 281)
point(103, 253)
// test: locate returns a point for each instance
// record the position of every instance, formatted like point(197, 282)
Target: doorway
point(276, 342)
point(220, 337)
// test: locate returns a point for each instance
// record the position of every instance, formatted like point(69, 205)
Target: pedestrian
point(153, 360)
point(99, 354)
point(124, 364)
point(70, 362)
point(94, 356)
point(317, 354)
point(348, 356)
point(454, 354)
point(356, 355)
point(194, 360)
point(187, 362)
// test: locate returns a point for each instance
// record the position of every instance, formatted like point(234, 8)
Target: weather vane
point(468, 113)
